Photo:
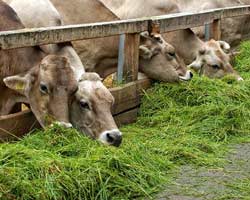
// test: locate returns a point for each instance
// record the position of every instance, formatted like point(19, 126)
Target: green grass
point(189, 123)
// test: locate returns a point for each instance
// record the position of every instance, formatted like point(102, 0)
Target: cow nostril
point(114, 139)
point(191, 75)
point(110, 138)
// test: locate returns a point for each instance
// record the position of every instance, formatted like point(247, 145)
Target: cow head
point(47, 89)
point(213, 60)
point(158, 60)
point(90, 111)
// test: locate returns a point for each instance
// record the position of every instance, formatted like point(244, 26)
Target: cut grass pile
point(189, 123)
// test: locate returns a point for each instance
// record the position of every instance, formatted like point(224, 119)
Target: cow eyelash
point(158, 39)
point(44, 88)
point(215, 66)
point(84, 105)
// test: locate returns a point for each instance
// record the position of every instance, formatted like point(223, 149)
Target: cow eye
point(172, 54)
point(216, 67)
point(158, 39)
point(84, 105)
point(43, 88)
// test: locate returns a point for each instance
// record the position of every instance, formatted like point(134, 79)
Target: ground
point(231, 181)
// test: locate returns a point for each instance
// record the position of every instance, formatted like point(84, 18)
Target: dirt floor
point(231, 181)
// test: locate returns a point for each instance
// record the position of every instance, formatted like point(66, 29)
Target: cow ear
point(145, 52)
point(225, 46)
point(145, 34)
point(18, 83)
point(90, 76)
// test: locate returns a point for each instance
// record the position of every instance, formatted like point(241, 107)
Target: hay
point(189, 123)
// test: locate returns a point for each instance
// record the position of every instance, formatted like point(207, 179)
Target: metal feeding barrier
point(127, 97)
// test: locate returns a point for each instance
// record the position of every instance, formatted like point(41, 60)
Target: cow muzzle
point(188, 76)
point(111, 137)
point(63, 124)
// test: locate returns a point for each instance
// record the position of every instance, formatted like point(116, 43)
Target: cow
point(46, 16)
point(186, 43)
point(233, 30)
point(90, 110)
point(213, 66)
point(90, 106)
point(29, 75)
point(158, 59)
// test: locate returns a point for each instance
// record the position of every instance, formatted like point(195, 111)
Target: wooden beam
point(185, 20)
point(128, 96)
point(59, 34)
point(216, 29)
point(51, 35)
point(15, 126)
point(127, 117)
point(131, 64)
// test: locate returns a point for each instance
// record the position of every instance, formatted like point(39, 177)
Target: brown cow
point(46, 16)
point(34, 78)
point(233, 30)
point(90, 111)
point(100, 55)
point(212, 61)
point(186, 43)
point(90, 108)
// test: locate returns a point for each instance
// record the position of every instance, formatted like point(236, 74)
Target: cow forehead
point(56, 69)
point(210, 57)
point(216, 48)
point(94, 90)
point(214, 55)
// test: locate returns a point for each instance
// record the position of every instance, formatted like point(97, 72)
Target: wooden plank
point(50, 35)
point(217, 29)
point(126, 117)
point(15, 126)
point(131, 51)
point(189, 20)
point(128, 96)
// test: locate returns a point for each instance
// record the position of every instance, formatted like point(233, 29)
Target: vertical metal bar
point(121, 59)
point(207, 32)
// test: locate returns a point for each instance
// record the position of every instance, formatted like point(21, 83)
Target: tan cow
point(100, 55)
point(90, 110)
point(34, 78)
point(90, 106)
point(233, 30)
point(46, 16)
point(186, 43)
point(213, 66)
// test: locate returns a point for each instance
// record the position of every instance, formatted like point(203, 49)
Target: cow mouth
point(188, 76)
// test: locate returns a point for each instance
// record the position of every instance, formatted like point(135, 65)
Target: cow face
point(90, 111)
point(213, 60)
point(158, 60)
point(47, 89)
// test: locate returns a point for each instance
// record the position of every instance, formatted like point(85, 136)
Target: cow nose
point(191, 75)
point(112, 137)
point(188, 76)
